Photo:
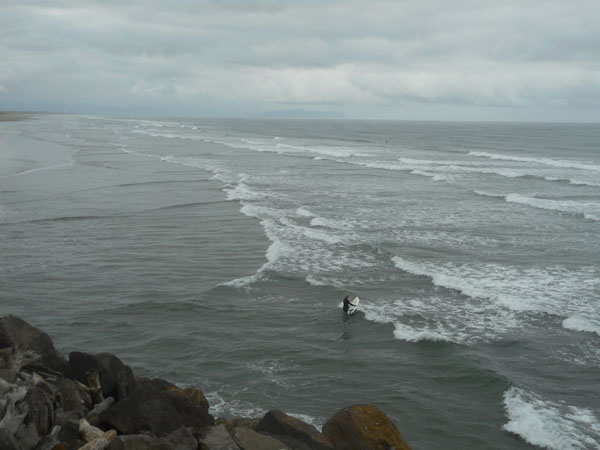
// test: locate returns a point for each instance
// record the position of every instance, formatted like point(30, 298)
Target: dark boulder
point(293, 431)
point(251, 440)
point(40, 407)
point(363, 427)
point(139, 442)
point(69, 435)
point(158, 409)
point(216, 438)
point(116, 378)
point(182, 439)
point(17, 334)
point(71, 396)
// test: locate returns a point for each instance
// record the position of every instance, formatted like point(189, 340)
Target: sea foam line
point(589, 210)
point(544, 161)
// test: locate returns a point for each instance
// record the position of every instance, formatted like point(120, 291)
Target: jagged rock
point(61, 417)
point(8, 375)
point(27, 436)
point(70, 395)
point(50, 440)
point(243, 422)
point(41, 409)
point(251, 440)
point(292, 431)
point(157, 410)
point(93, 417)
point(8, 441)
point(69, 435)
point(182, 439)
point(363, 427)
point(139, 442)
point(19, 335)
point(116, 378)
point(216, 438)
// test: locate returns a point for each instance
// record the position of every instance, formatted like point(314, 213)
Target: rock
point(116, 378)
point(251, 440)
point(243, 422)
point(27, 436)
point(41, 409)
point(363, 427)
point(157, 410)
point(120, 380)
point(216, 438)
point(50, 440)
point(20, 335)
point(139, 442)
point(182, 439)
point(61, 417)
point(70, 395)
point(69, 435)
point(293, 431)
point(8, 441)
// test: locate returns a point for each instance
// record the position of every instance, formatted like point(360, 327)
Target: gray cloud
point(369, 59)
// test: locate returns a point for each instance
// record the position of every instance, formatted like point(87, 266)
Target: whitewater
point(223, 248)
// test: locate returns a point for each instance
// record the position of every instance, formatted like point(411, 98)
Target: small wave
point(543, 161)
point(434, 176)
point(323, 222)
point(551, 425)
point(552, 290)
point(584, 324)
point(588, 210)
point(409, 334)
point(303, 212)
point(38, 169)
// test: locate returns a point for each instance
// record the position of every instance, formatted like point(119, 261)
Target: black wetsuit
point(346, 304)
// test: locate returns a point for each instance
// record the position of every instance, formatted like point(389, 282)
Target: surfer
point(347, 303)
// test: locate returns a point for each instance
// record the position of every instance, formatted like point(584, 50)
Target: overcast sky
point(424, 59)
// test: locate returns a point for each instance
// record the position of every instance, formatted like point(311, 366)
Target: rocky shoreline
point(95, 402)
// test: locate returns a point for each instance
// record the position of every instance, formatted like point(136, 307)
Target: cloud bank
point(378, 59)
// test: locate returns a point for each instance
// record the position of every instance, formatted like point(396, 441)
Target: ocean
point(216, 253)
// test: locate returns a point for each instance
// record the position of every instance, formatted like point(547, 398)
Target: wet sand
point(21, 154)
point(10, 116)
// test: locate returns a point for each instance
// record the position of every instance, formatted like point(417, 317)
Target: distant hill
point(300, 114)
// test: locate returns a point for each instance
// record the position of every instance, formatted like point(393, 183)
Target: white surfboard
point(353, 306)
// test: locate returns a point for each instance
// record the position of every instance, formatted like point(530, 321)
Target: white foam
point(323, 222)
point(554, 290)
point(409, 334)
point(233, 407)
point(589, 210)
point(540, 160)
point(489, 194)
point(551, 425)
point(583, 324)
point(241, 191)
point(434, 176)
point(303, 212)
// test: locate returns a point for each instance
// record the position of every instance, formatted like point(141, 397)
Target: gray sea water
point(216, 253)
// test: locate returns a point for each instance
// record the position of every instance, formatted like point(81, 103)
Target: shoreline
point(14, 116)
point(22, 154)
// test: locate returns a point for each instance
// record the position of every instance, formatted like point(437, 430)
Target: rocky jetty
point(95, 402)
